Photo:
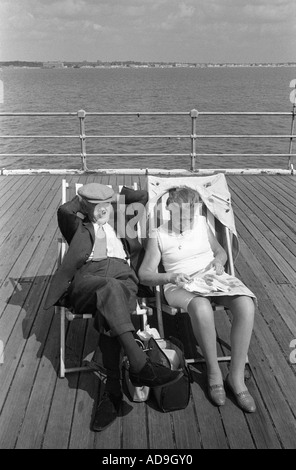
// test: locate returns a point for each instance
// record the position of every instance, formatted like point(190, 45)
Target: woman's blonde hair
point(183, 196)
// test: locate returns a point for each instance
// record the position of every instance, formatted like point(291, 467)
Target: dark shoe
point(243, 399)
point(107, 411)
point(217, 394)
point(154, 375)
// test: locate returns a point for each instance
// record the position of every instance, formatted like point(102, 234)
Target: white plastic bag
point(148, 333)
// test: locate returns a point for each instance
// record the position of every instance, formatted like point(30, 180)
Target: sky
point(236, 31)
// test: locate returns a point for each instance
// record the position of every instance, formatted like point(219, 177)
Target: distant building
point(53, 65)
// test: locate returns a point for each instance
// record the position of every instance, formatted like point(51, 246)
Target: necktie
point(100, 248)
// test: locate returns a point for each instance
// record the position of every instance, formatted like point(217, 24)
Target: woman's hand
point(218, 266)
point(179, 279)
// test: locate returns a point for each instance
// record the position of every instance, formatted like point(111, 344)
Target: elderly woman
point(186, 246)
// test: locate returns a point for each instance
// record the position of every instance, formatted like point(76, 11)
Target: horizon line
point(147, 61)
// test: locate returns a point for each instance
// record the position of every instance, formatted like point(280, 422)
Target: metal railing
point(193, 136)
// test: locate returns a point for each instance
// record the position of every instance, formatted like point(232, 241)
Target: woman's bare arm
point(148, 272)
point(220, 256)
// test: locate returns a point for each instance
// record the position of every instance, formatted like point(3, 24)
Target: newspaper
point(209, 283)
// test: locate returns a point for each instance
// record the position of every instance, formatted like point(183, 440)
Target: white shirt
point(114, 245)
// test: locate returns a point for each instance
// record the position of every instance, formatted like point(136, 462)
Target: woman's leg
point(203, 325)
point(242, 309)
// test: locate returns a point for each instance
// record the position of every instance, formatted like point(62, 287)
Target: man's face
point(102, 212)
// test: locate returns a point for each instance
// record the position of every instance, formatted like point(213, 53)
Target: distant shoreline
point(133, 64)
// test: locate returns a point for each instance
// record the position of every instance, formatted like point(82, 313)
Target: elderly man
point(96, 278)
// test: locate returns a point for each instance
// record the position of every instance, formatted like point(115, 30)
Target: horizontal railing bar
point(40, 114)
point(156, 113)
point(40, 154)
point(148, 154)
point(245, 113)
point(173, 136)
point(119, 113)
point(135, 136)
point(235, 136)
point(203, 113)
point(195, 136)
point(40, 136)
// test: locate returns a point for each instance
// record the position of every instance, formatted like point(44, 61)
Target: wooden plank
point(58, 426)
point(289, 292)
point(134, 426)
point(87, 387)
point(275, 195)
point(17, 322)
point(276, 213)
point(36, 415)
point(21, 244)
point(18, 339)
point(260, 423)
point(272, 209)
point(267, 290)
point(111, 437)
point(185, 426)
point(278, 371)
point(18, 199)
point(27, 263)
point(28, 374)
point(281, 369)
point(286, 186)
point(283, 420)
point(157, 423)
point(207, 416)
point(82, 413)
point(6, 183)
point(278, 255)
point(20, 206)
point(235, 425)
point(11, 190)
point(143, 181)
point(17, 398)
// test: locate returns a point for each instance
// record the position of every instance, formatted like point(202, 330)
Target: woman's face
point(183, 215)
point(102, 212)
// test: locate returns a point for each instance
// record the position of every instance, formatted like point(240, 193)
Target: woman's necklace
point(180, 246)
point(180, 236)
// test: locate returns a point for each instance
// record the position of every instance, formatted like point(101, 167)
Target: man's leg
point(113, 304)
point(111, 286)
point(108, 405)
point(111, 355)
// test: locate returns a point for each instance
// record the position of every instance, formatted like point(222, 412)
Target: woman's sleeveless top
point(188, 252)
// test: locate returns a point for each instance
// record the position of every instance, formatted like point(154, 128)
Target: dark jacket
point(80, 236)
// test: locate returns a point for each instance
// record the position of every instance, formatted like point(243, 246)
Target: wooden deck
point(40, 410)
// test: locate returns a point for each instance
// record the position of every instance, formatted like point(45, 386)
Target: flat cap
point(96, 193)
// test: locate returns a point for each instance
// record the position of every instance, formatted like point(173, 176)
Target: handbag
point(170, 353)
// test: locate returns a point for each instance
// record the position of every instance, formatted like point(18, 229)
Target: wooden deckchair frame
point(65, 313)
point(164, 307)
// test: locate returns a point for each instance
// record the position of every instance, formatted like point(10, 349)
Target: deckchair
point(218, 211)
point(69, 314)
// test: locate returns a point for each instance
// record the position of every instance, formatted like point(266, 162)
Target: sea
point(178, 89)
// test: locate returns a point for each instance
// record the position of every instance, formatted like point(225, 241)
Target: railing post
point(81, 114)
point(293, 94)
point(193, 115)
